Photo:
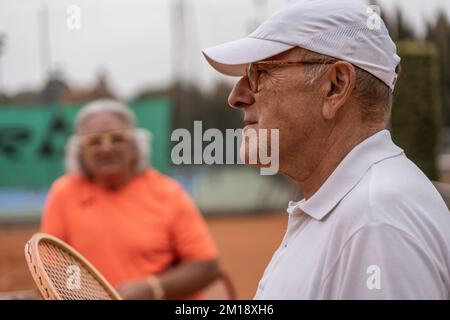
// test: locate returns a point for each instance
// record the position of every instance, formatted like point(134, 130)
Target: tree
point(439, 34)
point(416, 114)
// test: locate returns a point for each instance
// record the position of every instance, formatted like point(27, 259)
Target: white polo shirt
point(376, 229)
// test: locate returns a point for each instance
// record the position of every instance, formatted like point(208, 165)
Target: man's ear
point(340, 81)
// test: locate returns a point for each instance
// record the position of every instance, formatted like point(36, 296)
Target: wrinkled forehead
point(295, 53)
point(102, 122)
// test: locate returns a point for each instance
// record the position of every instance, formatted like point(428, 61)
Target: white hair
point(374, 95)
point(142, 137)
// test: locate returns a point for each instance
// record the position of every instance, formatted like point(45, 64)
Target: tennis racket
point(61, 273)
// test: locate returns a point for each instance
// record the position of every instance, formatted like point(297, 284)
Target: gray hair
point(370, 91)
point(142, 137)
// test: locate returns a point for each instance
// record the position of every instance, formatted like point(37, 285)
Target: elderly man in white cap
point(371, 225)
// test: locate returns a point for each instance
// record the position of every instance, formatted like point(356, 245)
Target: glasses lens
point(118, 137)
point(92, 140)
point(95, 140)
point(251, 76)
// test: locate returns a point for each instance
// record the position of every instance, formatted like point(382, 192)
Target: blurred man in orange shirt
point(137, 226)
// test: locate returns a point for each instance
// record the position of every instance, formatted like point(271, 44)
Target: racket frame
point(40, 276)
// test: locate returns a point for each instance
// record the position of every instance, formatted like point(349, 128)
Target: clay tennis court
point(246, 243)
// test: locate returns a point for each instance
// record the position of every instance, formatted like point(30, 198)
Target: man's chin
point(250, 158)
point(268, 165)
point(254, 165)
point(110, 172)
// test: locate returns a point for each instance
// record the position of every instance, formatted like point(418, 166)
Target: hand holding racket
point(61, 273)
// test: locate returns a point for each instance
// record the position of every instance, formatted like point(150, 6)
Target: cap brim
point(231, 58)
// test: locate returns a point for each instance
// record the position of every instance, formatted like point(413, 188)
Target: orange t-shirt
point(141, 229)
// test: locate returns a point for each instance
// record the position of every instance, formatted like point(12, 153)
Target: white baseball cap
point(344, 29)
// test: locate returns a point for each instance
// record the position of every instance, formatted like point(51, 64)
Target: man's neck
point(113, 183)
point(333, 153)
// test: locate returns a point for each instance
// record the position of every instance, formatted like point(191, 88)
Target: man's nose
point(106, 145)
point(241, 96)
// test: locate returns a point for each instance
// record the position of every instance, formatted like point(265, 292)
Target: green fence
point(32, 140)
point(416, 114)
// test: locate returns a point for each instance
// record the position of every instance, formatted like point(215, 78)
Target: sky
point(138, 43)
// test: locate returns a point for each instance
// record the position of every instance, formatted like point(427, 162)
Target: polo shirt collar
point(347, 174)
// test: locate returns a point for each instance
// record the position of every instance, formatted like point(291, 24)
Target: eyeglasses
point(96, 140)
point(254, 69)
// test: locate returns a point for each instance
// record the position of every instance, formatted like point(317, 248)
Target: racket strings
point(69, 276)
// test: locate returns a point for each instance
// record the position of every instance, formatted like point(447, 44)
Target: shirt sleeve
point(381, 261)
point(52, 221)
point(190, 233)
